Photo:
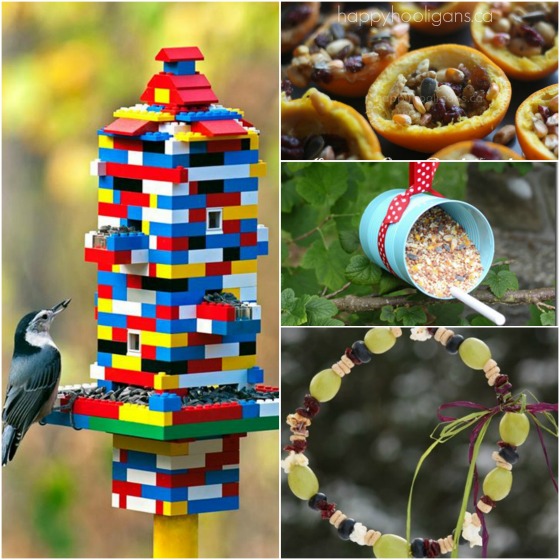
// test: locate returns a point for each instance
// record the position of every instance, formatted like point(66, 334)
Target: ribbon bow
point(420, 177)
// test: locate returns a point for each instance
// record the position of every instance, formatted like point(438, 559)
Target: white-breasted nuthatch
point(34, 377)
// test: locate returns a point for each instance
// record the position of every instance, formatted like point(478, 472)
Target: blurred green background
point(66, 68)
point(364, 444)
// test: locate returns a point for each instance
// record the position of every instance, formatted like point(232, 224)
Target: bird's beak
point(60, 306)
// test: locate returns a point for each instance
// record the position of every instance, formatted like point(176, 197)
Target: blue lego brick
point(63, 419)
point(180, 67)
point(255, 375)
point(127, 241)
point(233, 327)
point(165, 402)
point(149, 310)
point(119, 471)
point(167, 494)
point(105, 182)
point(241, 185)
point(155, 136)
point(155, 108)
point(168, 257)
point(117, 197)
point(181, 202)
point(223, 240)
point(140, 460)
point(210, 115)
point(119, 292)
point(245, 156)
point(104, 360)
point(262, 248)
point(249, 225)
point(174, 326)
point(178, 230)
point(239, 338)
point(165, 160)
point(209, 283)
point(113, 156)
point(109, 385)
point(180, 298)
point(222, 477)
point(197, 147)
point(95, 299)
point(180, 353)
point(250, 409)
point(111, 320)
point(214, 504)
point(187, 380)
point(134, 212)
point(248, 253)
point(114, 279)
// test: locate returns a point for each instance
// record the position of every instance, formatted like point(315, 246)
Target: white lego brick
point(164, 187)
point(140, 504)
point(98, 168)
point(135, 157)
point(206, 446)
point(141, 477)
point(121, 307)
point(164, 216)
point(255, 311)
point(217, 172)
point(115, 500)
point(229, 377)
point(206, 255)
point(269, 407)
point(249, 198)
point(116, 455)
point(108, 221)
point(187, 312)
point(204, 492)
point(88, 242)
point(248, 294)
point(180, 462)
point(221, 350)
point(262, 233)
point(204, 326)
point(141, 296)
point(173, 127)
point(139, 256)
point(152, 242)
point(96, 371)
point(137, 269)
point(240, 280)
point(174, 147)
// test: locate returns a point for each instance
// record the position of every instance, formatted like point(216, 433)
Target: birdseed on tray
point(440, 255)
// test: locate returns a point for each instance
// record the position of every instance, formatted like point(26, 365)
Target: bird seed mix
point(439, 254)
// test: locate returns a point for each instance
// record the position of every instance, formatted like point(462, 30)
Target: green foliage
point(520, 167)
point(322, 259)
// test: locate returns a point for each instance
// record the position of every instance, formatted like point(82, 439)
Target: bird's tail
point(10, 441)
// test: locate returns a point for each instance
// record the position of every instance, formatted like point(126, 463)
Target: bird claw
point(69, 407)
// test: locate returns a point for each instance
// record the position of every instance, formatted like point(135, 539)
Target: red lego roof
point(218, 128)
point(177, 54)
point(131, 127)
point(164, 80)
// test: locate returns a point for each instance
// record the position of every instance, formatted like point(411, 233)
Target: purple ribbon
point(536, 408)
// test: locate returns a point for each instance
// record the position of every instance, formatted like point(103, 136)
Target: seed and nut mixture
point(545, 124)
point(294, 14)
point(347, 47)
point(434, 97)
point(439, 255)
point(481, 150)
point(524, 28)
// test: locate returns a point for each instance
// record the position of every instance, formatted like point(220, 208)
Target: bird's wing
point(25, 400)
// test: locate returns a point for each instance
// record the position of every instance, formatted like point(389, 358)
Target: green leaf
point(446, 313)
point(501, 282)
point(388, 283)
point(522, 167)
point(496, 166)
point(328, 264)
point(289, 197)
point(362, 271)
point(480, 321)
point(322, 184)
point(387, 314)
point(301, 281)
point(349, 240)
point(293, 309)
point(329, 322)
point(411, 316)
point(285, 251)
point(319, 309)
point(548, 318)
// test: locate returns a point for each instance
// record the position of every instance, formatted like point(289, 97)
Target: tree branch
point(356, 304)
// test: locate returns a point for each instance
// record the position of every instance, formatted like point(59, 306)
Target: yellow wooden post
point(176, 536)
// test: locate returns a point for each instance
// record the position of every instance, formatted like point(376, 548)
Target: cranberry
point(287, 87)
point(544, 111)
point(480, 78)
point(354, 63)
point(437, 110)
point(295, 15)
point(321, 75)
point(482, 150)
point(291, 147)
point(322, 40)
point(531, 35)
point(453, 114)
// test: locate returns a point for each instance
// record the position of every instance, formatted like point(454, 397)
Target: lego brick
point(181, 202)
point(130, 127)
point(176, 54)
point(165, 216)
point(98, 168)
point(216, 172)
point(178, 175)
point(166, 402)
point(140, 111)
point(240, 212)
point(269, 407)
point(215, 504)
point(249, 198)
point(255, 375)
point(235, 158)
point(219, 128)
point(150, 446)
point(258, 169)
point(166, 187)
point(143, 415)
point(241, 184)
point(215, 311)
point(205, 492)
point(140, 504)
point(140, 477)
point(244, 267)
point(223, 476)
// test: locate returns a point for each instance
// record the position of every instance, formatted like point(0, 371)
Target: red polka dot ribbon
point(420, 177)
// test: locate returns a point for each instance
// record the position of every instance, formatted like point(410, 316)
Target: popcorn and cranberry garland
point(514, 429)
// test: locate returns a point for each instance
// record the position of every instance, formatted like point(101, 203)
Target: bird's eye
point(44, 316)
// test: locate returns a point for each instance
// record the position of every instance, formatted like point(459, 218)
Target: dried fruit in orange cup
point(536, 123)
point(437, 96)
point(349, 51)
point(520, 37)
point(476, 150)
point(298, 21)
point(435, 18)
point(316, 127)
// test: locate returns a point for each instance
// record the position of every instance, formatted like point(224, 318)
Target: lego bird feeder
point(176, 247)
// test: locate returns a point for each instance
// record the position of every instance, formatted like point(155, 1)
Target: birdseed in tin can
point(440, 255)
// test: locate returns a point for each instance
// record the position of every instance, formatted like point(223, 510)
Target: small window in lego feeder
point(133, 342)
point(214, 220)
